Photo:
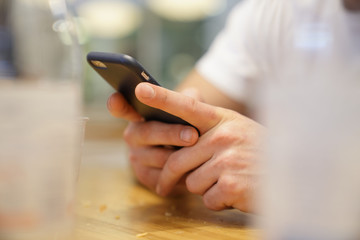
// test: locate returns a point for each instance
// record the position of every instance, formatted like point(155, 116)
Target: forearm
point(209, 93)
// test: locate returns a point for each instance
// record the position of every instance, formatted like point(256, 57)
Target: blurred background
point(47, 89)
point(46, 41)
point(49, 39)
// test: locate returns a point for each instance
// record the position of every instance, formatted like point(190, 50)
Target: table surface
point(112, 205)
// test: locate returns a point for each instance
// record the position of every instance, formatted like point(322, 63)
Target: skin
point(220, 164)
point(223, 162)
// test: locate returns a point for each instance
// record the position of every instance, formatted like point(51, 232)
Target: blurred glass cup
point(312, 186)
point(41, 124)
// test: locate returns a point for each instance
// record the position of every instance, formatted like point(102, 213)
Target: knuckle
point(226, 135)
point(173, 164)
point(191, 185)
point(166, 133)
point(213, 115)
point(218, 164)
point(221, 136)
point(192, 104)
point(227, 132)
point(128, 134)
point(227, 186)
point(210, 203)
point(163, 98)
point(229, 159)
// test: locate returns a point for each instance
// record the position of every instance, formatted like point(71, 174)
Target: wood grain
point(111, 205)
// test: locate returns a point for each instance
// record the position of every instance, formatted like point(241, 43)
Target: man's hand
point(222, 165)
point(120, 108)
point(146, 140)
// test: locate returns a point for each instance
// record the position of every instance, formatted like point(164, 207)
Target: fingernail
point(147, 91)
point(109, 103)
point(186, 134)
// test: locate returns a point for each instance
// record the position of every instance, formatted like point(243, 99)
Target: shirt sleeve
point(228, 63)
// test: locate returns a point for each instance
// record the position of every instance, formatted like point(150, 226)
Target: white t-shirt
point(262, 37)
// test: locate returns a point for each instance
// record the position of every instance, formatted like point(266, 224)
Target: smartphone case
point(124, 73)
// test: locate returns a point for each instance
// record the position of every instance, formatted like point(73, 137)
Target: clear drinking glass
point(312, 185)
point(41, 123)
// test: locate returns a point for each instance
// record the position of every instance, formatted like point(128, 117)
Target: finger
point(215, 199)
point(192, 92)
point(147, 176)
point(179, 164)
point(222, 194)
point(157, 133)
point(154, 157)
point(120, 108)
point(231, 191)
point(200, 115)
point(203, 178)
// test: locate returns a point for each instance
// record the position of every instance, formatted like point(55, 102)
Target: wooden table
point(112, 205)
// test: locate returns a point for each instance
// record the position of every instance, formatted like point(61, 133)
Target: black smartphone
point(124, 73)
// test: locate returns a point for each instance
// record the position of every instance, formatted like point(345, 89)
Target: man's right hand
point(148, 141)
